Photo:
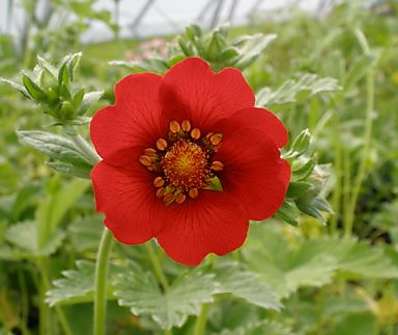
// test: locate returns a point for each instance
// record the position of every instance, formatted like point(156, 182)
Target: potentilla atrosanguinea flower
point(187, 159)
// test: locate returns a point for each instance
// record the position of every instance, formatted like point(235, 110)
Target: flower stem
point(200, 325)
point(157, 267)
point(101, 274)
point(362, 168)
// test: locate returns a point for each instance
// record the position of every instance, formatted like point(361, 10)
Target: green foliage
point(77, 286)
point(139, 291)
point(293, 90)
point(64, 156)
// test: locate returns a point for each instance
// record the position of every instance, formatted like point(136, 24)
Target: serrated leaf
point(290, 89)
point(252, 48)
point(284, 266)
point(24, 235)
point(234, 279)
point(77, 286)
point(139, 291)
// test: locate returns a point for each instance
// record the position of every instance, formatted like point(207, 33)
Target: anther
point(195, 133)
point(193, 193)
point(180, 198)
point(161, 144)
point(216, 139)
point(217, 166)
point(169, 198)
point(160, 192)
point(145, 160)
point(150, 152)
point(158, 182)
point(174, 127)
point(186, 125)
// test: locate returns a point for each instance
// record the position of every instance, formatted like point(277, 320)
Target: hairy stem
point(101, 276)
point(362, 167)
point(157, 267)
point(200, 325)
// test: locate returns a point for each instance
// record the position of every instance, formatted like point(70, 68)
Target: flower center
point(183, 163)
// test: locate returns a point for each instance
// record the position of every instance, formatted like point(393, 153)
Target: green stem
point(157, 267)
point(362, 168)
point(101, 274)
point(200, 325)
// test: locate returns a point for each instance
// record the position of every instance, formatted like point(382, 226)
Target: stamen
point(161, 144)
point(195, 133)
point(160, 192)
point(180, 198)
point(217, 166)
point(186, 125)
point(150, 152)
point(174, 127)
point(216, 139)
point(169, 198)
point(193, 193)
point(158, 182)
point(145, 160)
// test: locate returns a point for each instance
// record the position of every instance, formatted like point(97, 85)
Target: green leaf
point(85, 233)
point(88, 100)
point(284, 265)
point(252, 48)
point(33, 89)
point(24, 235)
point(54, 146)
point(16, 86)
point(139, 291)
point(289, 90)
point(234, 279)
point(214, 184)
point(77, 286)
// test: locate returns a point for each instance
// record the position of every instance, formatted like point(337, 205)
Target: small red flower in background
point(187, 159)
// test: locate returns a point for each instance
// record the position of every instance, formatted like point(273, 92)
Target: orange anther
point(217, 166)
point(150, 152)
point(216, 139)
point(180, 198)
point(186, 125)
point(161, 144)
point(193, 193)
point(195, 133)
point(169, 198)
point(158, 182)
point(174, 127)
point(160, 192)
point(145, 160)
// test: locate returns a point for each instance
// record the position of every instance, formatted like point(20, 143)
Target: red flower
point(187, 159)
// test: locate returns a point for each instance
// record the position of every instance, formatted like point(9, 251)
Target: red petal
point(190, 90)
point(256, 118)
point(127, 198)
point(212, 223)
point(253, 171)
point(135, 119)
